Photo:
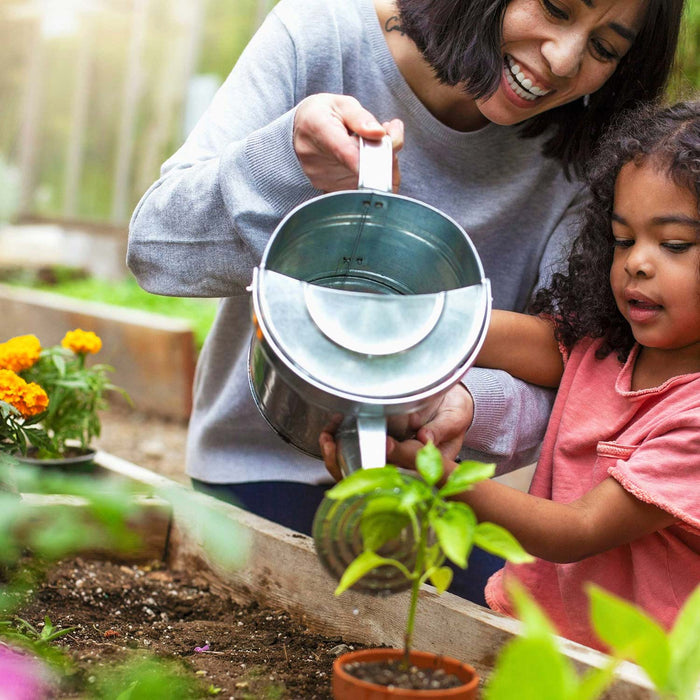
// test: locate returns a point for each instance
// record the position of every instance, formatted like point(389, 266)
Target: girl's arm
point(524, 346)
point(607, 516)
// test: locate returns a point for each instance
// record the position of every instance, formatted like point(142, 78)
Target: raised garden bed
point(153, 355)
point(195, 601)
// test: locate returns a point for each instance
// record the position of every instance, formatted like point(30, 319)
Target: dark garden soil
point(232, 651)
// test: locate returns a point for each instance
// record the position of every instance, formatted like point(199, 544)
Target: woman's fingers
point(325, 140)
point(403, 454)
point(453, 418)
point(326, 442)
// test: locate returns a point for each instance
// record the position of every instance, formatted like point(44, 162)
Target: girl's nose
point(638, 265)
point(564, 52)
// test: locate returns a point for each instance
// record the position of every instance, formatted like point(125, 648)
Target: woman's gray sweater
point(201, 228)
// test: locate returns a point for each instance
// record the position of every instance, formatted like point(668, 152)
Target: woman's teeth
point(521, 85)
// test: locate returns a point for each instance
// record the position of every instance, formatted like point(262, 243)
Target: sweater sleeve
point(201, 228)
point(510, 415)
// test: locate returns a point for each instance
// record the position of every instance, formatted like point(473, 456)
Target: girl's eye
point(623, 243)
point(677, 247)
point(602, 52)
point(554, 10)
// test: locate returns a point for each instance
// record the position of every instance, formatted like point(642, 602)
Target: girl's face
point(556, 51)
point(655, 274)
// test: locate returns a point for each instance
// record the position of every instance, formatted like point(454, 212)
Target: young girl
point(614, 499)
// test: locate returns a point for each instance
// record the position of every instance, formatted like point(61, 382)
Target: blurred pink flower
point(24, 677)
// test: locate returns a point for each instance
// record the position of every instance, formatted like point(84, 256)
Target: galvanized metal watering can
point(368, 306)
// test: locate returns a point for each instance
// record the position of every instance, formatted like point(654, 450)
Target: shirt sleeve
point(510, 415)
point(664, 469)
point(201, 228)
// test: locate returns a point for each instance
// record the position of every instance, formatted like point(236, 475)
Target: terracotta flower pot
point(347, 687)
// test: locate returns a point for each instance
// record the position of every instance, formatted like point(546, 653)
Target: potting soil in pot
point(395, 673)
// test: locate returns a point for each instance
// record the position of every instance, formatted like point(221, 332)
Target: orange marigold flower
point(28, 398)
point(82, 342)
point(20, 352)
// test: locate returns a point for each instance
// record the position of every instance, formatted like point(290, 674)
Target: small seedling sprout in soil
point(441, 528)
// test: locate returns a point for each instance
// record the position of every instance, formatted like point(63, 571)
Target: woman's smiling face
point(557, 51)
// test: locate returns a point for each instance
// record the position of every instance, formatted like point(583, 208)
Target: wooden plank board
point(282, 571)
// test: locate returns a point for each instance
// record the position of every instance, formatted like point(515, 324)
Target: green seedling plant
point(441, 528)
point(670, 659)
point(47, 634)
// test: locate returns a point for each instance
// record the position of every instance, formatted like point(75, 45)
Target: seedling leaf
point(429, 464)
point(382, 522)
point(530, 669)
point(362, 565)
point(684, 640)
point(465, 476)
point(497, 540)
point(631, 634)
point(365, 480)
point(454, 527)
point(536, 622)
point(441, 578)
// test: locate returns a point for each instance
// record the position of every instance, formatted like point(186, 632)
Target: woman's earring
point(586, 101)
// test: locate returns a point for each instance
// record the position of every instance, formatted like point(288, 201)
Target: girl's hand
point(326, 128)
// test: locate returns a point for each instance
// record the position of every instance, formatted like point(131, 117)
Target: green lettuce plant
point(441, 529)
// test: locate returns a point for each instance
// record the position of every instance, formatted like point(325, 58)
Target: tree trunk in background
point(31, 116)
point(133, 83)
point(76, 137)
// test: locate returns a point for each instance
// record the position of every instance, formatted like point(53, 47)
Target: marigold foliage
point(27, 397)
point(19, 353)
point(82, 342)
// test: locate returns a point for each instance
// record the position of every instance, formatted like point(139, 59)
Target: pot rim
point(425, 659)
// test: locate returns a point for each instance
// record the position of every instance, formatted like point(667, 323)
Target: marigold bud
point(82, 342)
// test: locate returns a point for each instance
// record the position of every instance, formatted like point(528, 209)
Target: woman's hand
point(446, 431)
point(326, 128)
point(327, 445)
point(447, 428)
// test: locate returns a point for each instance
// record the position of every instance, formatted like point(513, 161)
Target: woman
point(497, 103)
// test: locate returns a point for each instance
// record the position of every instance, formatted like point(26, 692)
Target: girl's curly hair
point(581, 299)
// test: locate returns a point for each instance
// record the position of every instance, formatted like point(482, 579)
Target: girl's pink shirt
point(649, 441)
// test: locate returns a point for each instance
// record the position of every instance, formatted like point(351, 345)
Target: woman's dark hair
point(581, 299)
point(461, 40)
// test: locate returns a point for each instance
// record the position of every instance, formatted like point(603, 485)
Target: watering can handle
point(361, 443)
point(376, 164)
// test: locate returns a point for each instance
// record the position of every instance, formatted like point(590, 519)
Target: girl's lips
point(641, 309)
